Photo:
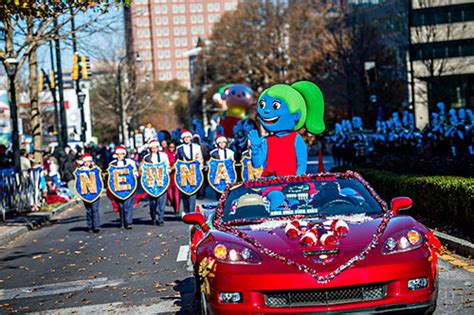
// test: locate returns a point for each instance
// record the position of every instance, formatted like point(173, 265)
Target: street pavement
point(62, 269)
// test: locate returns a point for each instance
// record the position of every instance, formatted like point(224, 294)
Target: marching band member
point(173, 191)
point(125, 206)
point(222, 152)
point(155, 156)
point(188, 151)
point(92, 208)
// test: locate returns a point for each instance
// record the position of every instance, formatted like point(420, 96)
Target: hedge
point(446, 199)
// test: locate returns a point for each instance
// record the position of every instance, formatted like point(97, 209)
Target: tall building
point(442, 38)
point(165, 30)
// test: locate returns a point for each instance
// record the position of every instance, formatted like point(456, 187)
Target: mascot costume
point(282, 110)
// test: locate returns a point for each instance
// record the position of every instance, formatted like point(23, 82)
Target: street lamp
point(81, 97)
point(11, 66)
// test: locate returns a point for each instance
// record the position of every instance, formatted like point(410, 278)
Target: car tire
point(199, 297)
point(204, 306)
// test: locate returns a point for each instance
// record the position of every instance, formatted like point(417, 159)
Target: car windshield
point(316, 197)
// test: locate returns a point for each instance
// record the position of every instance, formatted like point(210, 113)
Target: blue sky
point(98, 45)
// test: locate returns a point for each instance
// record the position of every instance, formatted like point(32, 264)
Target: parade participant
point(282, 110)
point(92, 208)
point(173, 191)
point(222, 152)
point(188, 151)
point(126, 205)
point(156, 203)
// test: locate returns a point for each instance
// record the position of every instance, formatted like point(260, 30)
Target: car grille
point(325, 297)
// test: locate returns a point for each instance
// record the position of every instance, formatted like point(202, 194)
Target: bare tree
point(29, 26)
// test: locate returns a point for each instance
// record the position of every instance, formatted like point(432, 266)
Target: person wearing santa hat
point(222, 152)
point(188, 151)
point(155, 156)
point(125, 206)
point(92, 208)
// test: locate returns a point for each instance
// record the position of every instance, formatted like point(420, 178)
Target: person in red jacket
point(173, 192)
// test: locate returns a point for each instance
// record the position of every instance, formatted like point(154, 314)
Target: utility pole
point(52, 87)
point(77, 82)
point(62, 110)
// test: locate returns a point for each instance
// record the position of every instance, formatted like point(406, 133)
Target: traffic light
point(85, 66)
point(52, 82)
point(41, 81)
point(75, 67)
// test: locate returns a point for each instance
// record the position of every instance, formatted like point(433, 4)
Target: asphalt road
point(62, 269)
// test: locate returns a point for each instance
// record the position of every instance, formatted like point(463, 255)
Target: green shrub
point(446, 199)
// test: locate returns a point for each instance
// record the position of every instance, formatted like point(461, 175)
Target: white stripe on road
point(183, 253)
point(57, 288)
point(167, 306)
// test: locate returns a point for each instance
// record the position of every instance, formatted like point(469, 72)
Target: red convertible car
point(309, 244)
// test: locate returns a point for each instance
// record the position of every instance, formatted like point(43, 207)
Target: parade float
point(292, 242)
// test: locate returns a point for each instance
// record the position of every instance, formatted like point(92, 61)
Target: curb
point(460, 246)
point(37, 221)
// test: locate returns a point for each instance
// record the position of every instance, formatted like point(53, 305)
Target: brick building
point(165, 30)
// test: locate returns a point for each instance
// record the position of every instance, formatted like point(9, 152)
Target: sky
point(98, 45)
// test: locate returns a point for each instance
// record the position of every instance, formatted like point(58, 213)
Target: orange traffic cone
point(320, 161)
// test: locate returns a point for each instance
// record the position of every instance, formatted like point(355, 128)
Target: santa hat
point(120, 149)
point(186, 133)
point(196, 135)
point(153, 143)
point(220, 139)
point(86, 157)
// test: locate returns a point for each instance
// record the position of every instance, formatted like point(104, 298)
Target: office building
point(165, 30)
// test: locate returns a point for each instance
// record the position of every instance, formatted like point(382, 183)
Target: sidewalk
point(18, 225)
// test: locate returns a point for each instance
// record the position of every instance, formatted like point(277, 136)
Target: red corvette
point(310, 244)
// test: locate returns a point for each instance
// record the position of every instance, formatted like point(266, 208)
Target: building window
point(217, 7)
point(164, 9)
point(210, 18)
point(446, 49)
point(210, 7)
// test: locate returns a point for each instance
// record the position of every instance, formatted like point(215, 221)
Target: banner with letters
point(155, 178)
point(248, 171)
point(188, 176)
point(88, 183)
point(122, 182)
point(221, 173)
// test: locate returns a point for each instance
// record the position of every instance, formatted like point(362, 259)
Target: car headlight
point(232, 253)
point(402, 241)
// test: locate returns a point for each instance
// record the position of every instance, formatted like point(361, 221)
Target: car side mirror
point(401, 203)
point(196, 218)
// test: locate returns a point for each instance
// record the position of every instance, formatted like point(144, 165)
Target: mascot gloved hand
point(282, 110)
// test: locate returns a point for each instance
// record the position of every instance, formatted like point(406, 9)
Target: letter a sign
point(221, 173)
point(122, 182)
point(188, 176)
point(88, 183)
point(155, 178)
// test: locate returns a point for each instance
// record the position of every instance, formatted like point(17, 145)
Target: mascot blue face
point(275, 115)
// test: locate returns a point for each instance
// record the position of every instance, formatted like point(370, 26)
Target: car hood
point(272, 236)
